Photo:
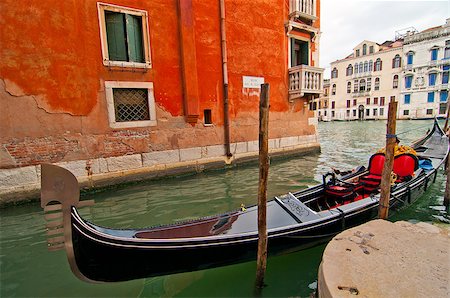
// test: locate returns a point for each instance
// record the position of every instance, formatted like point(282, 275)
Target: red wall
point(52, 79)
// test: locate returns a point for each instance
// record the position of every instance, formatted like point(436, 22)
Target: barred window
point(130, 104)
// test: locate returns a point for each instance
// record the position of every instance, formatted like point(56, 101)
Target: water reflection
point(27, 269)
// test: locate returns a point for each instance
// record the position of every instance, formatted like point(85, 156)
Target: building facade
point(362, 84)
point(133, 86)
point(425, 74)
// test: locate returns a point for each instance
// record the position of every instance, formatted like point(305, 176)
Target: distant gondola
point(295, 220)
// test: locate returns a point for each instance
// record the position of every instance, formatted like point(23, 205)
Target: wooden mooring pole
point(385, 186)
point(447, 185)
point(261, 260)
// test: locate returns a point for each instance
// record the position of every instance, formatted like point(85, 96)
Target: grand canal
point(29, 270)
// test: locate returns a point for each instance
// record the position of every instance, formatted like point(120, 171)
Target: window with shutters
point(124, 36)
point(130, 104)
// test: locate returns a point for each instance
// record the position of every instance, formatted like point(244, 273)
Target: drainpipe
point(226, 116)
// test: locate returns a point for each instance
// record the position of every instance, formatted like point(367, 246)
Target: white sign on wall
point(252, 82)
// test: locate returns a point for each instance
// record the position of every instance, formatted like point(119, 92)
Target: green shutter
point(304, 58)
point(115, 32)
point(293, 60)
point(134, 38)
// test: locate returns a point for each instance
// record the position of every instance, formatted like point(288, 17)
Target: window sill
point(126, 64)
point(131, 124)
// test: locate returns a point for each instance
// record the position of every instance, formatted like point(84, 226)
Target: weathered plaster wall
point(52, 93)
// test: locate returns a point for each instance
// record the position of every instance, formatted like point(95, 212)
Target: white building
point(425, 87)
point(413, 69)
point(363, 83)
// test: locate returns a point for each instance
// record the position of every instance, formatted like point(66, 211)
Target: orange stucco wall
point(52, 93)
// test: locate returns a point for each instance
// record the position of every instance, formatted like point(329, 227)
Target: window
point(430, 97)
point(349, 70)
point(409, 58)
point(332, 114)
point(360, 67)
point(429, 111)
point(375, 112)
point(124, 36)
point(395, 82)
point(354, 102)
point(443, 96)
point(382, 101)
point(442, 108)
point(432, 79)
point(445, 72)
point(349, 87)
point(377, 83)
point(407, 99)
point(207, 119)
point(325, 104)
point(367, 112)
point(371, 50)
point(408, 81)
point(130, 104)
point(333, 89)
point(366, 65)
point(348, 113)
point(356, 67)
point(354, 113)
point(396, 62)
point(434, 53)
point(375, 100)
point(378, 65)
point(333, 104)
point(370, 65)
point(299, 52)
point(362, 85)
point(325, 113)
point(334, 73)
point(447, 50)
point(369, 84)
point(368, 100)
point(355, 86)
point(381, 111)
point(405, 112)
point(348, 103)
point(357, 53)
point(364, 49)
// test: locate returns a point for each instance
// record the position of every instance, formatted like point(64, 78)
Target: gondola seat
point(372, 180)
point(404, 166)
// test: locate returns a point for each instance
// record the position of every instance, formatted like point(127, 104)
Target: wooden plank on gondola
point(55, 240)
point(50, 216)
point(54, 224)
point(57, 231)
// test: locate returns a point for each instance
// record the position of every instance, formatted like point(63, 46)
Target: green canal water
point(27, 269)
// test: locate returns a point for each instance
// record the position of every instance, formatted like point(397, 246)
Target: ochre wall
point(52, 97)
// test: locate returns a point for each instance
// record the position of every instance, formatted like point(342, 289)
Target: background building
point(130, 86)
point(425, 74)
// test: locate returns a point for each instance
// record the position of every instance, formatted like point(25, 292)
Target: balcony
point(304, 79)
point(303, 9)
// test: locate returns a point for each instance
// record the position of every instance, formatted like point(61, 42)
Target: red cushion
point(405, 165)
point(376, 164)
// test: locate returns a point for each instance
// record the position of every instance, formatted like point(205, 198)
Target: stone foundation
point(22, 184)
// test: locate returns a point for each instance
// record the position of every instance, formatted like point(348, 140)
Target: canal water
point(27, 269)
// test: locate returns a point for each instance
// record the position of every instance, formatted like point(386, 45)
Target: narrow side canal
point(27, 269)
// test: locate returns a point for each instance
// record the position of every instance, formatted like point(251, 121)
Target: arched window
point(369, 84)
point(362, 85)
point(333, 89)
point(355, 86)
point(377, 84)
point(370, 65)
point(371, 50)
point(396, 62)
point(409, 58)
point(360, 67)
point(378, 65)
point(434, 53)
point(349, 70)
point(356, 68)
point(349, 87)
point(447, 50)
point(395, 82)
point(366, 66)
point(334, 73)
point(364, 49)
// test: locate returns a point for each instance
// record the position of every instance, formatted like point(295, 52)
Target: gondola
point(295, 221)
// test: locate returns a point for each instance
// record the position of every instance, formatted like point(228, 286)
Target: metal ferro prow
point(59, 193)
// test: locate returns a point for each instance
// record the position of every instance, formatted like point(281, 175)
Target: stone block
point(78, 167)
point(288, 142)
point(102, 165)
point(160, 157)
point(253, 146)
point(18, 177)
point(190, 153)
point(240, 147)
point(213, 151)
point(122, 163)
